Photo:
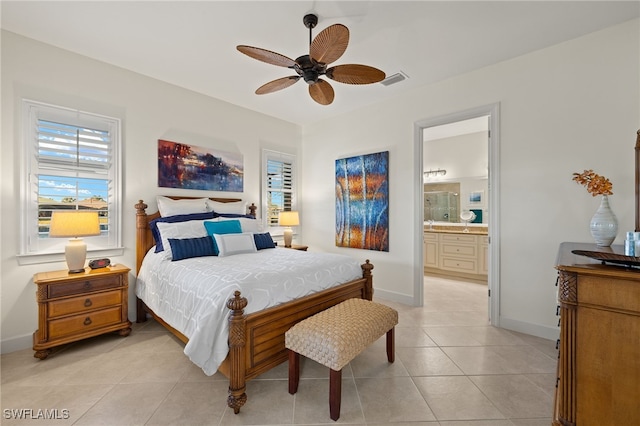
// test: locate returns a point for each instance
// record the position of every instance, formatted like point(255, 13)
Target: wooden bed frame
point(256, 340)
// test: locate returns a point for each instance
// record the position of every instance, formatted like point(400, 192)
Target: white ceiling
point(192, 43)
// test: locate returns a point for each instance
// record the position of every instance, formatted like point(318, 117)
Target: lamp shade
point(74, 223)
point(288, 219)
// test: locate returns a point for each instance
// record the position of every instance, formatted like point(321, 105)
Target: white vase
point(604, 224)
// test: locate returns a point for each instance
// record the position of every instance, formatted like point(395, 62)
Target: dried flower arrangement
point(595, 184)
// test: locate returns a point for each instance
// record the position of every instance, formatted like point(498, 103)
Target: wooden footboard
point(256, 340)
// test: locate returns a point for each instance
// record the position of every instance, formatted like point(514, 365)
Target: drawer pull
point(87, 321)
point(87, 285)
point(88, 303)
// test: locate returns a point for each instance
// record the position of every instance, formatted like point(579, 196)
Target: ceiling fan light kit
point(326, 48)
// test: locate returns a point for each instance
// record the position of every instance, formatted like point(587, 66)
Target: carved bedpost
point(237, 385)
point(252, 209)
point(141, 233)
point(366, 273)
point(141, 250)
point(568, 295)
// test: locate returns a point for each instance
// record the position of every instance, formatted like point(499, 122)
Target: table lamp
point(74, 224)
point(288, 219)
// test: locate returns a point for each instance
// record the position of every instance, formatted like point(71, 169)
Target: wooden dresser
point(599, 359)
point(72, 307)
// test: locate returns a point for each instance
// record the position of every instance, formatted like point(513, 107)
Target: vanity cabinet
point(457, 254)
point(430, 250)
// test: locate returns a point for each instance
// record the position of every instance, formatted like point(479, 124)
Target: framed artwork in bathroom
point(476, 197)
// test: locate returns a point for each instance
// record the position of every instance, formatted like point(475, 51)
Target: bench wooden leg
point(294, 371)
point(391, 345)
point(335, 393)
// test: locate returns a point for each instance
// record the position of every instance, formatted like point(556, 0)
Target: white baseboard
point(550, 333)
point(393, 296)
point(16, 344)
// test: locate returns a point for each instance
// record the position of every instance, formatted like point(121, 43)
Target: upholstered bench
point(335, 336)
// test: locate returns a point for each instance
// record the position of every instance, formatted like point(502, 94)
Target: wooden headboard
point(144, 238)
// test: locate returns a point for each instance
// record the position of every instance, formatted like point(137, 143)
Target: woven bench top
point(336, 335)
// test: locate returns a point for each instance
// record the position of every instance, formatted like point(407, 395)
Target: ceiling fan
point(327, 47)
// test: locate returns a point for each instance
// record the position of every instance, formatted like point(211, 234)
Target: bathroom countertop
point(474, 228)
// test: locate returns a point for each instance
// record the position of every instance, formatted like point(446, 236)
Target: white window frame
point(271, 155)
point(34, 250)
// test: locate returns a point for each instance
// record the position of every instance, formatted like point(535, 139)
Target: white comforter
point(191, 294)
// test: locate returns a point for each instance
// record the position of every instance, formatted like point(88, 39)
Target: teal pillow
point(222, 227)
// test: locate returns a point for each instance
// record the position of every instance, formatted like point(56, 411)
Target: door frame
point(493, 279)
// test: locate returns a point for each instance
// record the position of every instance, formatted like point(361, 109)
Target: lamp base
point(288, 236)
point(75, 254)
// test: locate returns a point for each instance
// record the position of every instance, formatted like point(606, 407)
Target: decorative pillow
point(224, 227)
point(173, 219)
point(248, 224)
point(230, 244)
point(185, 248)
point(190, 229)
point(263, 241)
point(170, 207)
point(235, 207)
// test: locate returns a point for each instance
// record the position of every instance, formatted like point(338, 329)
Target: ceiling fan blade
point(267, 56)
point(355, 74)
point(275, 85)
point(321, 92)
point(329, 44)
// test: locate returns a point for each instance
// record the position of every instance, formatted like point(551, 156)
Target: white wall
point(562, 109)
point(150, 110)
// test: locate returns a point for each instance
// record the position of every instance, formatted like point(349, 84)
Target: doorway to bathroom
point(457, 223)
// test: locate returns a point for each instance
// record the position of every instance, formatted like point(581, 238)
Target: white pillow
point(188, 229)
point(247, 224)
point(170, 207)
point(235, 207)
point(230, 244)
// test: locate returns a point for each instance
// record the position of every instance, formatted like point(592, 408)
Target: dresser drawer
point(70, 288)
point(84, 303)
point(84, 322)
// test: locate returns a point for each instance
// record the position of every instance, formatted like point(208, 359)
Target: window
point(278, 186)
point(71, 162)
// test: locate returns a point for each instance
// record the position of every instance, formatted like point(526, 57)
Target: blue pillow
point(172, 219)
point(191, 247)
point(264, 241)
point(232, 215)
point(222, 227)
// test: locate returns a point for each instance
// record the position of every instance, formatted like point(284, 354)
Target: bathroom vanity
point(450, 251)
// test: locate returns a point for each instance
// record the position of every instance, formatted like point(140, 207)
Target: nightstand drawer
point(83, 286)
point(84, 303)
point(84, 322)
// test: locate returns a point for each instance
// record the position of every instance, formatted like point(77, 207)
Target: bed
point(255, 339)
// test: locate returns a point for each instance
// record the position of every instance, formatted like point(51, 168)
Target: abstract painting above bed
point(186, 166)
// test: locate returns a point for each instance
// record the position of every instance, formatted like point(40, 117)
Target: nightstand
point(73, 307)
point(297, 247)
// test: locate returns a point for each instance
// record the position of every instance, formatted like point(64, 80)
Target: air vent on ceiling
point(395, 78)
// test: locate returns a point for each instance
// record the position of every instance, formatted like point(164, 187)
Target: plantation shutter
point(68, 147)
point(278, 185)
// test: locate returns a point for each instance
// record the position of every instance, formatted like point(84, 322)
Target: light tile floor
point(451, 369)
